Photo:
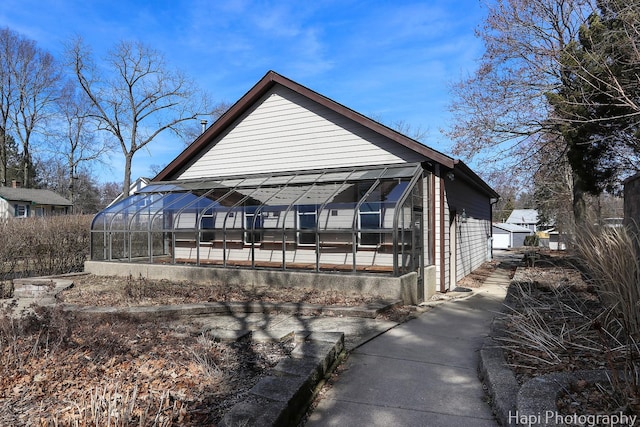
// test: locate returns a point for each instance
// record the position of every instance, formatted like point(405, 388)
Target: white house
point(527, 218)
point(289, 181)
point(18, 202)
point(135, 186)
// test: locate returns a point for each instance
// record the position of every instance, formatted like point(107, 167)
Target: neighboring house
point(135, 186)
point(17, 202)
point(507, 236)
point(527, 218)
point(288, 182)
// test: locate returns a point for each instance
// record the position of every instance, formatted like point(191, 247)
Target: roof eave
point(258, 90)
point(475, 179)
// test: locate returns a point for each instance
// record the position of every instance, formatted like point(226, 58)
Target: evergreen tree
point(595, 104)
point(12, 165)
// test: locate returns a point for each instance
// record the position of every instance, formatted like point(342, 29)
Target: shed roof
point(35, 196)
point(512, 228)
point(269, 81)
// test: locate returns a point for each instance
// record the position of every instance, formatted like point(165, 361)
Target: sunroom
point(356, 219)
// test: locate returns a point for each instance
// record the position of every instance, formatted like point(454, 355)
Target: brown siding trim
point(432, 219)
point(442, 247)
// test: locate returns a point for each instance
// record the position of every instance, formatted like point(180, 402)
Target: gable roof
point(513, 228)
point(136, 185)
point(32, 195)
point(523, 216)
point(266, 84)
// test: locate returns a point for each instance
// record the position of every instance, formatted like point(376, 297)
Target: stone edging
point(226, 308)
point(539, 394)
point(282, 397)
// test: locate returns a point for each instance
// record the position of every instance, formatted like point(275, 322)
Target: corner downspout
point(491, 223)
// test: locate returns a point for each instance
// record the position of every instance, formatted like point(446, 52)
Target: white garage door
point(501, 241)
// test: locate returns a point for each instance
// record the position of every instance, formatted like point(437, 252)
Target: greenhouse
point(358, 219)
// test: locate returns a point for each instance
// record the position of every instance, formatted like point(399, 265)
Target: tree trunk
point(127, 174)
point(26, 167)
point(3, 158)
point(579, 203)
point(3, 163)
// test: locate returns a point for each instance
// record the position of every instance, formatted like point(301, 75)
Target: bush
point(532, 240)
point(43, 246)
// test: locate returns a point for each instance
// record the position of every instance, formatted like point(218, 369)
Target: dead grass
point(55, 370)
point(119, 291)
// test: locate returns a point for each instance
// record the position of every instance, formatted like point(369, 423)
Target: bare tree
point(139, 98)
point(501, 112)
point(35, 76)
point(8, 42)
point(77, 143)
point(28, 84)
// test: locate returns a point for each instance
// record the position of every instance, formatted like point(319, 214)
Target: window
point(307, 218)
point(370, 219)
point(21, 211)
point(253, 225)
point(207, 226)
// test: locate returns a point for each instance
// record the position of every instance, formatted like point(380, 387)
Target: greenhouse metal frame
point(359, 219)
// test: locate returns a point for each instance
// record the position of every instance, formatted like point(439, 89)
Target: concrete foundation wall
point(430, 282)
point(403, 288)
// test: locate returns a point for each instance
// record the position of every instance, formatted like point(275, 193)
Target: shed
point(289, 186)
point(508, 236)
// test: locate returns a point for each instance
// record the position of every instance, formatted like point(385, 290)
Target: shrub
point(532, 240)
point(43, 246)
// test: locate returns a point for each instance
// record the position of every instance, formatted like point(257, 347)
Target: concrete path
point(421, 373)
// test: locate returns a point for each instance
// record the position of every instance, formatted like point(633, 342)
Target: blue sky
point(391, 60)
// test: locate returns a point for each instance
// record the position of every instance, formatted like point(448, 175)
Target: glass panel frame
point(320, 216)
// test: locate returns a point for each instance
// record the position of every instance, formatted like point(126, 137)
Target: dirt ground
point(59, 370)
point(117, 291)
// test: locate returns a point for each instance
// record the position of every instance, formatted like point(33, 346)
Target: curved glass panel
point(347, 219)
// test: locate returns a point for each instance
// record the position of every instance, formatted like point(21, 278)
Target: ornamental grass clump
point(611, 261)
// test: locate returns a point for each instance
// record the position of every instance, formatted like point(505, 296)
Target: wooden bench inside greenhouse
point(290, 265)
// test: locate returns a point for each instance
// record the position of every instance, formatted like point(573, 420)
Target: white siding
point(286, 131)
point(6, 209)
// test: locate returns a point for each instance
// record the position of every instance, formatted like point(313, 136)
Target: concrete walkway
point(421, 373)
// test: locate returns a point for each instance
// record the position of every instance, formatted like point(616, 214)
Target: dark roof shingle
point(32, 195)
